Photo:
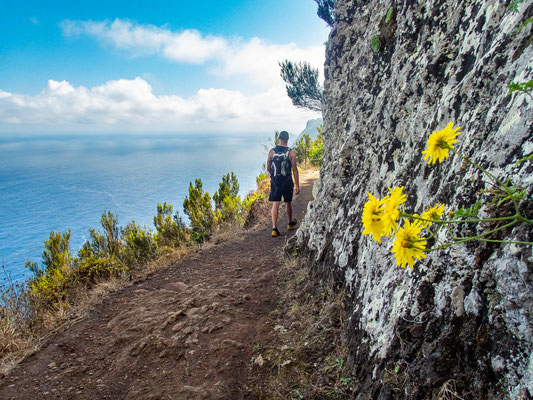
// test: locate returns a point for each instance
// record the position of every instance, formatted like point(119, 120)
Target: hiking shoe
point(275, 232)
point(292, 224)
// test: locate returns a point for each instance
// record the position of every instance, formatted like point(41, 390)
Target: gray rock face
point(462, 318)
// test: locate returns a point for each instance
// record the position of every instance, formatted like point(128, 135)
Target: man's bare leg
point(275, 212)
point(288, 206)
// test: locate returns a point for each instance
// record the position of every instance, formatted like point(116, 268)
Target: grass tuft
point(306, 358)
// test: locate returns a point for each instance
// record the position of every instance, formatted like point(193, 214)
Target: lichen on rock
point(464, 314)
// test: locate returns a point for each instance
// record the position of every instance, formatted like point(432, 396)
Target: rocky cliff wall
point(461, 320)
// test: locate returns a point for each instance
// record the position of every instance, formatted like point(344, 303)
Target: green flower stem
point(494, 179)
point(467, 159)
point(478, 237)
point(433, 235)
point(519, 218)
point(481, 237)
point(449, 230)
point(446, 245)
point(441, 247)
point(458, 221)
point(505, 241)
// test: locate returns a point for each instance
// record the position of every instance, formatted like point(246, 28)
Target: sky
point(153, 66)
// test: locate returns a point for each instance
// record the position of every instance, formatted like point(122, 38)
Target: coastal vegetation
point(67, 283)
point(309, 150)
point(113, 255)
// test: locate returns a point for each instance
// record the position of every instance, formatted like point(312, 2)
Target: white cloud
point(259, 60)
point(131, 106)
point(188, 46)
point(254, 58)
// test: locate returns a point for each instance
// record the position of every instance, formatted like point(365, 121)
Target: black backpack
point(280, 164)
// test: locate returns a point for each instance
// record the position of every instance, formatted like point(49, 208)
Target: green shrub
point(170, 229)
point(302, 149)
point(309, 150)
point(49, 285)
point(103, 245)
point(93, 247)
point(50, 288)
point(390, 15)
point(316, 152)
point(112, 243)
point(99, 256)
point(139, 245)
point(91, 269)
point(261, 177)
point(250, 200)
point(231, 210)
point(316, 155)
point(197, 206)
point(56, 254)
point(228, 206)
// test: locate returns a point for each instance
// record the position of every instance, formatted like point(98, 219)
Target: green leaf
point(516, 195)
point(524, 87)
point(523, 160)
point(525, 23)
point(375, 43)
point(513, 87)
point(390, 13)
point(513, 7)
point(471, 211)
point(345, 381)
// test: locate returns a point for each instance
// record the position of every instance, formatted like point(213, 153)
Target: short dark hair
point(284, 135)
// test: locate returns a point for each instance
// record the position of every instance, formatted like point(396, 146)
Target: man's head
point(284, 137)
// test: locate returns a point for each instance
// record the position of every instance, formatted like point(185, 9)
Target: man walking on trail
point(280, 162)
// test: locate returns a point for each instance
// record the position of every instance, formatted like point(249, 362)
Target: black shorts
point(281, 188)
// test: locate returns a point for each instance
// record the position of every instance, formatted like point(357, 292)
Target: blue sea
point(56, 183)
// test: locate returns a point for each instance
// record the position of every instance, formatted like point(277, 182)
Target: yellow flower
point(373, 218)
point(391, 208)
point(408, 245)
point(434, 212)
point(440, 142)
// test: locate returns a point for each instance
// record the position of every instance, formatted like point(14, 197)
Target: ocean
point(56, 183)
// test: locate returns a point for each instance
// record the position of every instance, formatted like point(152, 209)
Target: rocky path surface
point(186, 332)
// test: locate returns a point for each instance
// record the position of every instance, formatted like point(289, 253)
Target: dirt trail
point(186, 332)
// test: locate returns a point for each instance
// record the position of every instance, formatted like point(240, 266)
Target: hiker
point(280, 162)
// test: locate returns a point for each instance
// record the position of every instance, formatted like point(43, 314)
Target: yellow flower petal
point(373, 218)
point(434, 212)
point(391, 212)
point(440, 142)
point(408, 245)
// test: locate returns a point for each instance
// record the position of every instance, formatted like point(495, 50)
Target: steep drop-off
point(461, 320)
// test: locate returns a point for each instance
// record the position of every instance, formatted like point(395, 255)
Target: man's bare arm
point(269, 160)
point(294, 167)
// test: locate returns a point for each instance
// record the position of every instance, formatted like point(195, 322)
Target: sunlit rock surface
point(462, 319)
